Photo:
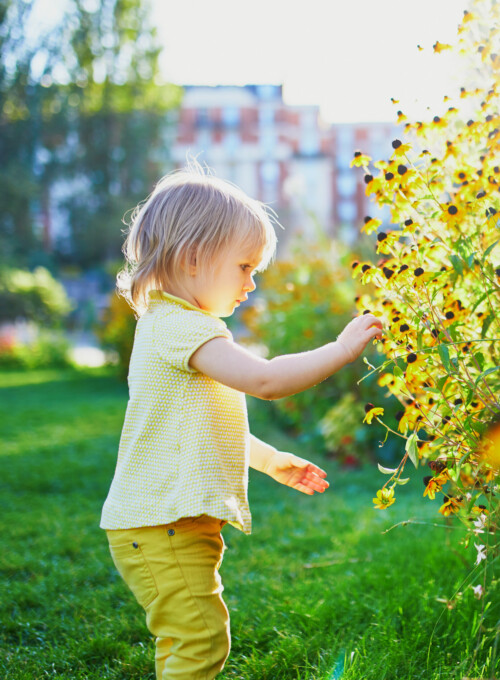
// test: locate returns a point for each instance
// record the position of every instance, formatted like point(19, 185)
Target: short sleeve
point(177, 334)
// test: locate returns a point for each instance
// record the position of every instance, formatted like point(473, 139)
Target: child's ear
point(190, 264)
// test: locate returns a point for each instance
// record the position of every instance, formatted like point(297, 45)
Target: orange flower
point(440, 47)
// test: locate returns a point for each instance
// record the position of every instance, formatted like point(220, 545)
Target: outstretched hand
point(296, 472)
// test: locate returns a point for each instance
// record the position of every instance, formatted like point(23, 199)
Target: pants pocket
point(134, 569)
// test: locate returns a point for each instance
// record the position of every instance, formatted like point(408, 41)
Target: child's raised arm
point(236, 367)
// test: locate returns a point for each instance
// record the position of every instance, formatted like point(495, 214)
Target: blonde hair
point(191, 215)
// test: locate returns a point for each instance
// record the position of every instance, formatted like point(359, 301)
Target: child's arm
point(236, 367)
point(286, 468)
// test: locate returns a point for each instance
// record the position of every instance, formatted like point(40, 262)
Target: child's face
point(227, 283)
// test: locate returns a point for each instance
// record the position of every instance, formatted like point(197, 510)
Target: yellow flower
point(385, 498)
point(450, 506)
point(435, 484)
point(360, 160)
point(400, 149)
point(387, 241)
point(371, 224)
point(372, 411)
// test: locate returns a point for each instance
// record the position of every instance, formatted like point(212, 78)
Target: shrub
point(117, 330)
point(46, 349)
point(34, 296)
point(304, 301)
point(438, 287)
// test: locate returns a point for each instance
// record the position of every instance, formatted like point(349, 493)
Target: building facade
point(283, 155)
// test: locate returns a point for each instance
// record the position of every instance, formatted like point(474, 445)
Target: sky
point(347, 56)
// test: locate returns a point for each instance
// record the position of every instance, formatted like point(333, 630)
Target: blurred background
point(100, 98)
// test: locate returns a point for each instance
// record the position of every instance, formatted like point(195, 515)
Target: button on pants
point(173, 571)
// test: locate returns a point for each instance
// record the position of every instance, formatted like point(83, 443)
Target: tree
point(84, 112)
point(119, 121)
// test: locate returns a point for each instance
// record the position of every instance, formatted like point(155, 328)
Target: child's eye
point(245, 267)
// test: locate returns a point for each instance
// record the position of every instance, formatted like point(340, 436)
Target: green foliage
point(305, 301)
point(98, 128)
point(341, 427)
point(33, 296)
point(48, 349)
point(437, 289)
point(320, 584)
point(117, 330)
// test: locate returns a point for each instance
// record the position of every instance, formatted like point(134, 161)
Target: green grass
point(318, 591)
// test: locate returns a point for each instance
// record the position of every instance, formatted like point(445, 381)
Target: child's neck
point(182, 292)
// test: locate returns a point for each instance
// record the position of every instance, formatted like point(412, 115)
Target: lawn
point(321, 590)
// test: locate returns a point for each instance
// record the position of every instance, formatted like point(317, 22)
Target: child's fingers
point(373, 320)
point(304, 489)
point(315, 482)
point(314, 468)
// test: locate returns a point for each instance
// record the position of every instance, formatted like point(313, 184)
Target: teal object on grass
point(338, 670)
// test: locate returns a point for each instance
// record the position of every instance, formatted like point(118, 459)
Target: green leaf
point(486, 324)
point(479, 300)
point(480, 359)
point(470, 260)
point(419, 339)
point(386, 471)
point(487, 372)
point(411, 449)
point(470, 396)
point(490, 248)
point(398, 373)
point(457, 264)
point(402, 481)
point(441, 382)
point(445, 357)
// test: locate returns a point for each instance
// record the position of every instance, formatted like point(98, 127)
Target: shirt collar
point(159, 296)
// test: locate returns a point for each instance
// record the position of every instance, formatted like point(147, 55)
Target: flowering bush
point(303, 301)
point(44, 348)
point(437, 288)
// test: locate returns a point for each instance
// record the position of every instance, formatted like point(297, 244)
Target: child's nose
point(250, 284)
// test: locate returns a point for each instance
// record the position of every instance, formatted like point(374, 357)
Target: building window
point(202, 118)
point(231, 116)
point(266, 116)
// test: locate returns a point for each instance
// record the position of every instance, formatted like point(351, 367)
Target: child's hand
point(358, 333)
point(296, 472)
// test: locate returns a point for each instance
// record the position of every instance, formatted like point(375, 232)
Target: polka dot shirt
point(184, 447)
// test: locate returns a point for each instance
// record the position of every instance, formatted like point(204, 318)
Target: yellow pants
point(173, 571)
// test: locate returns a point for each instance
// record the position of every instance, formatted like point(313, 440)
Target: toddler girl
point(185, 448)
